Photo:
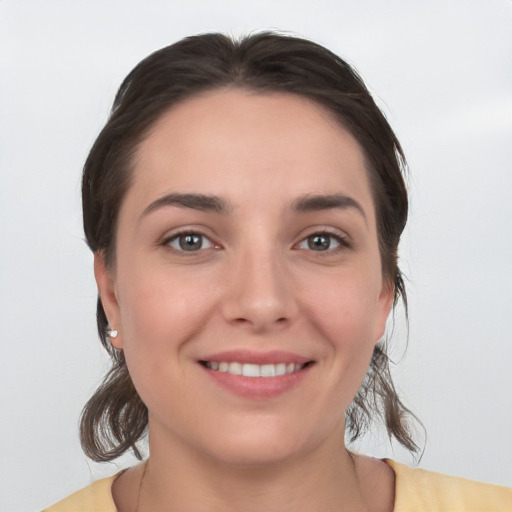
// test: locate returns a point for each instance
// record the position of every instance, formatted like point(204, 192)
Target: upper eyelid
point(324, 230)
point(338, 233)
point(174, 233)
point(342, 240)
point(167, 241)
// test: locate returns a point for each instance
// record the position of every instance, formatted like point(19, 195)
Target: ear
point(107, 290)
point(385, 303)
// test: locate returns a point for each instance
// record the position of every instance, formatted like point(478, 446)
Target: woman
point(244, 204)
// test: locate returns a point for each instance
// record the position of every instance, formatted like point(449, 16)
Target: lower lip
point(261, 388)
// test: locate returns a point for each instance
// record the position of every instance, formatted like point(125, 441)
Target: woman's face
point(247, 244)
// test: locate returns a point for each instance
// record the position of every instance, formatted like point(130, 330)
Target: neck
point(324, 479)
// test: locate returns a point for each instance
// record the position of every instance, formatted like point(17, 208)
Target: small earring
point(112, 333)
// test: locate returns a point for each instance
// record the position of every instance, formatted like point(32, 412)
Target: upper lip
point(256, 357)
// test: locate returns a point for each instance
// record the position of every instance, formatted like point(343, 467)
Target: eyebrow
point(202, 202)
point(208, 203)
point(313, 203)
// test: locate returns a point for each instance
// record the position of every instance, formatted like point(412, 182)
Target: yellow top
point(416, 490)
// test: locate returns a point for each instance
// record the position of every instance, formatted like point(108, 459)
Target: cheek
point(346, 314)
point(346, 307)
point(161, 310)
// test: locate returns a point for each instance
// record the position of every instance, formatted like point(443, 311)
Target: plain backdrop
point(441, 72)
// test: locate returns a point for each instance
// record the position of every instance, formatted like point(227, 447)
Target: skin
point(257, 283)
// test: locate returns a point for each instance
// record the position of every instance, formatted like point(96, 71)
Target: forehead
point(249, 144)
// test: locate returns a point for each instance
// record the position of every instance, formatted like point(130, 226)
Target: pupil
point(190, 242)
point(319, 242)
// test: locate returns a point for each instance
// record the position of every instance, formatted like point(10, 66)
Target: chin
point(261, 445)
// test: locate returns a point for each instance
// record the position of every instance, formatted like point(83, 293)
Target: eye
point(322, 242)
point(189, 242)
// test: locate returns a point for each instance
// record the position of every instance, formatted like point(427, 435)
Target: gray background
point(440, 70)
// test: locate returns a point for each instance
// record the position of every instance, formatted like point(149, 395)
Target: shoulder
point(96, 497)
point(419, 490)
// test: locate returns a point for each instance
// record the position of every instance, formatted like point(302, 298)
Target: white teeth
point(235, 368)
point(280, 369)
point(267, 370)
point(254, 370)
point(251, 370)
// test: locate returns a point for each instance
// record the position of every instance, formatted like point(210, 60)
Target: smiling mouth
point(255, 370)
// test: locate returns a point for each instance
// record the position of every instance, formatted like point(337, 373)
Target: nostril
point(245, 321)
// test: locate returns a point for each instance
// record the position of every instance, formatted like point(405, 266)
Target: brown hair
point(115, 418)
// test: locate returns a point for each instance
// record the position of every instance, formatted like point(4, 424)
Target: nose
point(260, 292)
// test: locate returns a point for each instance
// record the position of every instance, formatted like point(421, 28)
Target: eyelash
point(341, 241)
point(188, 233)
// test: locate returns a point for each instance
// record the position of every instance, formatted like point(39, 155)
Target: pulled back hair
point(115, 418)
